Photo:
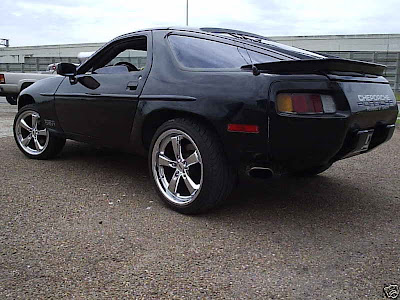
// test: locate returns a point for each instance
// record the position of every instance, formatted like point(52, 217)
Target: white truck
point(11, 84)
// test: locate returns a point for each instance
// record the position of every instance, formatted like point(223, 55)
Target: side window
point(135, 57)
point(124, 57)
point(200, 53)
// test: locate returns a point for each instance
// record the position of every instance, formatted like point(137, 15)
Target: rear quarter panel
point(221, 97)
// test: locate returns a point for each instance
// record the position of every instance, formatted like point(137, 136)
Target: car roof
point(241, 36)
point(211, 30)
point(235, 35)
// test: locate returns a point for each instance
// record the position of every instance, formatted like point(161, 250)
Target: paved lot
point(88, 225)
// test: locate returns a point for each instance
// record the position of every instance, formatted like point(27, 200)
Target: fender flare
point(25, 81)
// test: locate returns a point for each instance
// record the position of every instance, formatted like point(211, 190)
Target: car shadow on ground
point(121, 161)
point(330, 197)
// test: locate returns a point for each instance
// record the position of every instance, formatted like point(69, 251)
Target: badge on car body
point(375, 102)
point(50, 123)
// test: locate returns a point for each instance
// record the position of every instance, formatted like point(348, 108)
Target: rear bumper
point(362, 141)
point(366, 111)
point(302, 143)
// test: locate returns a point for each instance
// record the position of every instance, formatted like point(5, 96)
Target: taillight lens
point(243, 128)
point(301, 103)
point(2, 78)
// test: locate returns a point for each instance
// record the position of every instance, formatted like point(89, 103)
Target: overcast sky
point(41, 22)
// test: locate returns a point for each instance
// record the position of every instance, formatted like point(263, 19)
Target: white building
point(378, 48)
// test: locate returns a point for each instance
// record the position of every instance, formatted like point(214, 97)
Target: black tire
point(217, 176)
point(312, 171)
point(52, 145)
point(12, 100)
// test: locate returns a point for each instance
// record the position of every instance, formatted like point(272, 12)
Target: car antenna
point(255, 70)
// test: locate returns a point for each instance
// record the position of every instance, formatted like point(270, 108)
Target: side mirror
point(66, 69)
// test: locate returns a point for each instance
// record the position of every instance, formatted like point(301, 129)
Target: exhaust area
point(260, 172)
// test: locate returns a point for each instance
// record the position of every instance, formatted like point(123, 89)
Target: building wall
point(378, 48)
point(360, 42)
point(390, 59)
point(18, 54)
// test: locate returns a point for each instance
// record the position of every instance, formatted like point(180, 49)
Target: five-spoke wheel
point(32, 137)
point(177, 167)
point(30, 134)
point(188, 166)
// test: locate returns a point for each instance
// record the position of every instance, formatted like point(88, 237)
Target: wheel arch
point(158, 117)
point(25, 99)
point(25, 84)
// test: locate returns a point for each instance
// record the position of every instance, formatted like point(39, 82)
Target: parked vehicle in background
point(11, 84)
point(52, 68)
point(207, 103)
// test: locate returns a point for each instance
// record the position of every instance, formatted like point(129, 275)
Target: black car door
point(100, 103)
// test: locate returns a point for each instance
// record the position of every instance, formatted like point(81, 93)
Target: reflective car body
point(239, 84)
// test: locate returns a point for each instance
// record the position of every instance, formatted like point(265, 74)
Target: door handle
point(132, 85)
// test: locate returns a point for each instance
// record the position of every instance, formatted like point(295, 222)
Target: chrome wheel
point(177, 166)
point(30, 134)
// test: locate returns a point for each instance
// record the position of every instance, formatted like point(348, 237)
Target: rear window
point(201, 53)
point(267, 43)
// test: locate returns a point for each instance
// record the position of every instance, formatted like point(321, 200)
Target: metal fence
point(390, 59)
point(35, 64)
point(39, 64)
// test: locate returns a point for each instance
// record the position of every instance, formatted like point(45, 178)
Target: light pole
point(187, 12)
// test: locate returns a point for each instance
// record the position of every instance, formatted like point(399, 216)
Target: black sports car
point(203, 104)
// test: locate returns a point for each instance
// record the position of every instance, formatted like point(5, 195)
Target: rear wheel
point(12, 100)
point(188, 167)
point(32, 138)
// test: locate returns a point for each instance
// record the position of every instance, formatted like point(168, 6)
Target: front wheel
point(188, 167)
point(32, 138)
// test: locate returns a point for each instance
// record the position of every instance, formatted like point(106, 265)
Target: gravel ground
point(88, 225)
point(7, 113)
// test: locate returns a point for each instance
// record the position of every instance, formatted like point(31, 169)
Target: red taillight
point(2, 78)
point(300, 103)
point(243, 128)
point(317, 103)
point(305, 103)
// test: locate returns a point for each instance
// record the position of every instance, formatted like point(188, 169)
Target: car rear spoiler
point(316, 66)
